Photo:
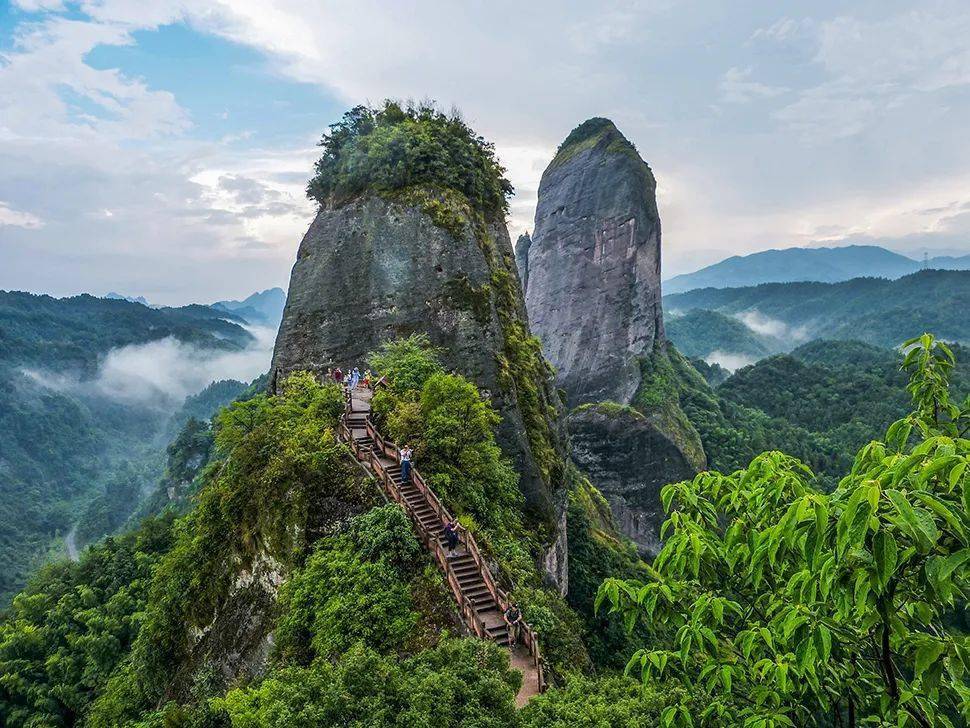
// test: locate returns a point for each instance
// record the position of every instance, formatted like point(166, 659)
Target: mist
point(160, 374)
point(729, 361)
point(774, 328)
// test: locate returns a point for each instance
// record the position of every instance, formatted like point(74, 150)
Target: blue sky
point(161, 148)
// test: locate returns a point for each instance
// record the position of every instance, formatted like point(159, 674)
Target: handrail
point(471, 617)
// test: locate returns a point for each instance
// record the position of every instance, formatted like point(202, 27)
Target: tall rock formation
point(378, 267)
point(522, 246)
point(594, 264)
point(593, 296)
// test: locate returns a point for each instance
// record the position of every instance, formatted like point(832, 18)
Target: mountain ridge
point(825, 265)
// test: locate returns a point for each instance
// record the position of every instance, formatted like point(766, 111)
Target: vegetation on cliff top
point(395, 147)
point(590, 133)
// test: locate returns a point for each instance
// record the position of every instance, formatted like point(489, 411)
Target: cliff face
point(593, 295)
point(594, 264)
point(375, 269)
point(630, 457)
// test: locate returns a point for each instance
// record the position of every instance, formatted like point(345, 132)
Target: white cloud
point(18, 218)
point(768, 326)
point(731, 362)
point(737, 87)
point(866, 134)
point(879, 67)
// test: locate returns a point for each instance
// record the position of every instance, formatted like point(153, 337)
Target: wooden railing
point(388, 449)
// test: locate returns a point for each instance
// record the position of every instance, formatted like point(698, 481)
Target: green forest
point(773, 603)
point(873, 310)
point(71, 453)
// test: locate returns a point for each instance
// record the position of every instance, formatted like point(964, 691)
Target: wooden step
point(471, 568)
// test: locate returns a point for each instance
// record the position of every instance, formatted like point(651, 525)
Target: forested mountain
point(831, 397)
point(81, 441)
point(874, 310)
point(826, 265)
point(699, 333)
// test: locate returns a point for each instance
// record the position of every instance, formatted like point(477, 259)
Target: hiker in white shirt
point(406, 464)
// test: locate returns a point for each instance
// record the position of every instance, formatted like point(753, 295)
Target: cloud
point(840, 124)
point(731, 362)
point(162, 373)
point(18, 218)
point(878, 69)
point(768, 326)
point(737, 87)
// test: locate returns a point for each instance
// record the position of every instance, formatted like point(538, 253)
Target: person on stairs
point(406, 463)
point(513, 622)
point(451, 537)
point(338, 375)
point(354, 378)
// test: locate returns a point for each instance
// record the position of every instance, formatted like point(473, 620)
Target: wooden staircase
point(481, 601)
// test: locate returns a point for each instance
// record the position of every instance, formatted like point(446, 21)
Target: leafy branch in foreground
point(789, 606)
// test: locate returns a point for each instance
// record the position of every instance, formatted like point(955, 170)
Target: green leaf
point(927, 653)
point(916, 522)
point(885, 553)
point(823, 642)
point(956, 473)
point(953, 562)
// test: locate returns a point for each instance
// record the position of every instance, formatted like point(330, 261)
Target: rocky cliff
point(522, 246)
point(380, 267)
point(593, 296)
point(630, 457)
point(594, 264)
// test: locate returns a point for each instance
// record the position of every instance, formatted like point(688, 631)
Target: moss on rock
point(665, 374)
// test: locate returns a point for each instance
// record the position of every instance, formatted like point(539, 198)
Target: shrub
point(459, 683)
point(353, 588)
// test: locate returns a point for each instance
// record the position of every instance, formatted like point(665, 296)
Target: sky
point(162, 147)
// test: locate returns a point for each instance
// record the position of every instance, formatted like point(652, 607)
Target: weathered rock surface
point(375, 269)
point(593, 296)
point(522, 246)
point(630, 457)
point(593, 267)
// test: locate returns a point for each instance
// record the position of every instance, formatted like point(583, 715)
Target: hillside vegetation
point(395, 147)
point(701, 333)
point(788, 606)
point(874, 310)
point(68, 439)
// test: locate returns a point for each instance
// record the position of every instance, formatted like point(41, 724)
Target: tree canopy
point(794, 607)
point(396, 146)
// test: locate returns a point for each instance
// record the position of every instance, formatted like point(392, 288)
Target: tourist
point(513, 621)
point(406, 464)
point(451, 537)
point(354, 378)
point(367, 378)
point(338, 375)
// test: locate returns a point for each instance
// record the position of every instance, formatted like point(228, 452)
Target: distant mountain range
point(112, 296)
point(264, 308)
point(825, 265)
point(874, 310)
